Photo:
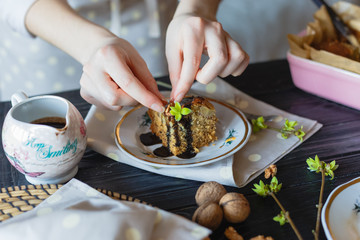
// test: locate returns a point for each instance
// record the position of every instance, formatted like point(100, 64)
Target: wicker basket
point(19, 199)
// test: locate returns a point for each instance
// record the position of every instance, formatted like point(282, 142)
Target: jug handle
point(18, 97)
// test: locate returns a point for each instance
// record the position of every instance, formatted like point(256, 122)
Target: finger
point(141, 71)
point(100, 86)
point(94, 101)
point(242, 66)
point(237, 57)
point(120, 72)
point(193, 47)
point(218, 55)
point(174, 57)
point(88, 93)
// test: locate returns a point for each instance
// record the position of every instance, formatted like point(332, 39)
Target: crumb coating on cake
point(193, 131)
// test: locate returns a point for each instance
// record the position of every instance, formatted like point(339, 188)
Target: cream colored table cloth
point(78, 211)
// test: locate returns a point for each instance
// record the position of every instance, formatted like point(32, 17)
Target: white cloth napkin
point(264, 148)
point(77, 211)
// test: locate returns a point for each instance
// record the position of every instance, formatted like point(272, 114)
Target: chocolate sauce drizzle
point(162, 152)
point(149, 139)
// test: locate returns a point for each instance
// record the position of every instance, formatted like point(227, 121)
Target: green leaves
point(263, 189)
point(258, 124)
point(300, 133)
point(289, 125)
point(289, 128)
point(286, 130)
point(330, 168)
point(315, 165)
point(274, 185)
point(281, 218)
point(177, 111)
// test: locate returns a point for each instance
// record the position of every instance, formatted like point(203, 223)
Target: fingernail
point(179, 97)
point(157, 107)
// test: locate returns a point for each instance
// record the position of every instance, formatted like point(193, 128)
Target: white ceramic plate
point(340, 215)
point(233, 132)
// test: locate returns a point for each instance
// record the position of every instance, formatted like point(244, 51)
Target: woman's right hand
point(117, 76)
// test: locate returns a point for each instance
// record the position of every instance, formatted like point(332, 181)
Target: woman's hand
point(114, 73)
point(188, 37)
point(117, 76)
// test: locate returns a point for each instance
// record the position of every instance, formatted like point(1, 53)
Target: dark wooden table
point(339, 140)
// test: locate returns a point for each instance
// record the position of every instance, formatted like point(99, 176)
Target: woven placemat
point(19, 199)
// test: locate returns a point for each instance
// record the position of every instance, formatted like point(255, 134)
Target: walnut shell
point(235, 206)
point(209, 192)
point(209, 215)
point(232, 234)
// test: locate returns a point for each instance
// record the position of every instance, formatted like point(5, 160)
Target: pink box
point(325, 81)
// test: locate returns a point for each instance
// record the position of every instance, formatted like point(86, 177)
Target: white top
point(33, 65)
point(14, 12)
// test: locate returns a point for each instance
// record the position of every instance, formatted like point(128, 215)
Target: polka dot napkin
point(77, 211)
point(264, 148)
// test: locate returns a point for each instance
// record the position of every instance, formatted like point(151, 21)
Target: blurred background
point(261, 26)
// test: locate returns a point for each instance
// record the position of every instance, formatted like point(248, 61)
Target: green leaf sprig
point(326, 169)
point(264, 190)
point(286, 130)
point(258, 124)
point(177, 111)
point(281, 218)
point(289, 129)
point(315, 165)
point(261, 189)
point(271, 189)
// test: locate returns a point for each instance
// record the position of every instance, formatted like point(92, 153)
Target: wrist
point(204, 8)
point(97, 37)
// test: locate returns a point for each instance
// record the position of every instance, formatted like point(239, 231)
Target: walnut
point(235, 206)
point(261, 237)
point(209, 192)
point(232, 234)
point(209, 215)
point(270, 171)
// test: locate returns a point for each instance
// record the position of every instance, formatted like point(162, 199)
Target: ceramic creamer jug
point(44, 138)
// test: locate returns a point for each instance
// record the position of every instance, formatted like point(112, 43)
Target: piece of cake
point(183, 131)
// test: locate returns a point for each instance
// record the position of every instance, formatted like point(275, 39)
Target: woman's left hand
point(188, 37)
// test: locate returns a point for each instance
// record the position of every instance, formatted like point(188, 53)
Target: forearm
point(202, 8)
point(56, 22)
